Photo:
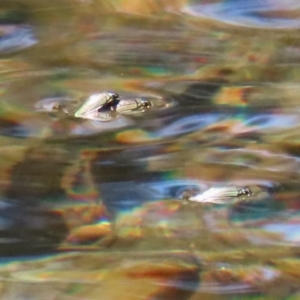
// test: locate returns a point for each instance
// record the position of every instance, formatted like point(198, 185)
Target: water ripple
point(265, 14)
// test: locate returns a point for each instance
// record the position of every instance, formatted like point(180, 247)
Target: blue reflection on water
point(189, 124)
point(257, 13)
point(126, 195)
point(17, 38)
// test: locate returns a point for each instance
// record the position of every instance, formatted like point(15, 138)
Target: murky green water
point(185, 186)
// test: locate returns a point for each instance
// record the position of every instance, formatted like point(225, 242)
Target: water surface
point(93, 209)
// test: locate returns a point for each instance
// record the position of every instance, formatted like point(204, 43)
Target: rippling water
point(194, 194)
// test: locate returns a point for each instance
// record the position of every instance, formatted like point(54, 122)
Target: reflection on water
point(149, 150)
point(257, 13)
point(15, 38)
